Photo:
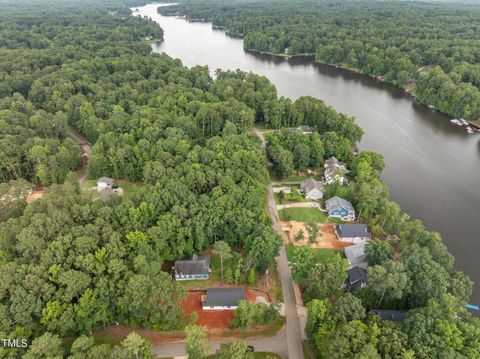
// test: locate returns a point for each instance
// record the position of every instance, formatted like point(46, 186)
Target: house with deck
point(352, 232)
point(356, 278)
point(222, 298)
point(333, 162)
point(196, 268)
point(312, 189)
point(340, 208)
point(333, 174)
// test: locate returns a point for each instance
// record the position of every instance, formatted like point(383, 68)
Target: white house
point(312, 189)
point(335, 174)
point(103, 183)
point(354, 233)
point(223, 298)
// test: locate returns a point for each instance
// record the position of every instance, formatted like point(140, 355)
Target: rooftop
point(357, 277)
point(224, 297)
point(197, 265)
point(356, 254)
point(336, 202)
point(310, 184)
point(391, 315)
point(352, 230)
point(106, 180)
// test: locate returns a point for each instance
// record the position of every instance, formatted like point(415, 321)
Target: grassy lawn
point(342, 191)
point(300, 178)
point(290, 197)
point(322, 254)
point(302, 215)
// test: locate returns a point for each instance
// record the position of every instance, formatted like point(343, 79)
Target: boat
point(456, 122)
point(470, 130)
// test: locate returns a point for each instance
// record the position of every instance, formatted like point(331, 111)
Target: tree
point(378, 251)
point(134, 346)
point(300, 236)
point(348, 308)
point(390, 281)
point(222, 249)
point(236, 349)
point(197, 345)
point(46, 346)
point(313, 232)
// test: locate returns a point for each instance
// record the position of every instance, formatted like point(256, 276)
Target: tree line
point(425, 43)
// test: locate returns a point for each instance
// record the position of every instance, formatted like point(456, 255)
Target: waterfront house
point(223, 298)
point(340, 208)
point(196, 268)
point(312, 189)
point(356, 255)
point(397, 316)
point(356, 278)
point(335, 163)
point(333, 174)
point(304, 130)
point(354, 232)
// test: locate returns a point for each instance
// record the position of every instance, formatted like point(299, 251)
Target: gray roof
point(106, 180)
point(357, 277)
point(351, 230)
point(309, 184)
point(392, 315)
point(224, 297)
point(336, 202)
point(306, 129)
point(356, 254)
point(197, 265)
point(333, 161)
point(105, 193)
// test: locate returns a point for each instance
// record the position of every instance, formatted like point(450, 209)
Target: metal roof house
point(312, 189)
point(223, 298)
point(196, 268)
point(104, 182)
point(397, 316)
point(334, 162)
point(357, 278)
point(340, 208)
point(352, 232)
point(356, 255)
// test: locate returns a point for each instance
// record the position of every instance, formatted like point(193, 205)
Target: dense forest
point(71, 265)
point(434, 46)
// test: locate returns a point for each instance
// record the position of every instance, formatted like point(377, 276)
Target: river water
point(432, 167)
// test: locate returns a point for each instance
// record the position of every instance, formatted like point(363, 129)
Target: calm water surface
point(432, 167)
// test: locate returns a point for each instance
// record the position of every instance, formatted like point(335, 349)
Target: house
point(104, 182)
point(312, 189)
point(356, 255)
point(340, 208)
point(357, 278)
point(397, 316)
point(334, 174)
point(304, 130)
point(334, 162)
point(223, 298)
point(196, 268)
point(354, 232)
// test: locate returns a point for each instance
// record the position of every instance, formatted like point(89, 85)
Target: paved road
point(86, 147)
point(275, 344)
point(294, 334)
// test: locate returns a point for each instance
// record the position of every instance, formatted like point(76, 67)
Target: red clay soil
point(326, 237)
point(213, 319)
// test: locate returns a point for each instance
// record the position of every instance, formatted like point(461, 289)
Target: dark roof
point(357, 277)
point(391, 315)
point(198, 265)
point(352, 230)
point(224, 297)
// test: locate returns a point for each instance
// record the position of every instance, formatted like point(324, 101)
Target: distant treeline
point(435, 45)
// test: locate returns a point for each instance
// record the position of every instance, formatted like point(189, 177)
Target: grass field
point(300, 178)
point(290, 197)
point(302, 215)
point(322, 254)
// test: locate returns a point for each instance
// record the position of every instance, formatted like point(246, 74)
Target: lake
point(432, 167)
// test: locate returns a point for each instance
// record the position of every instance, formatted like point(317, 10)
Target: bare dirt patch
point(326, 237)
point(38, 193)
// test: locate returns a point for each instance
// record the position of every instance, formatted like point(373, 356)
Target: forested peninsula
point(430, 48)
point(71, 264)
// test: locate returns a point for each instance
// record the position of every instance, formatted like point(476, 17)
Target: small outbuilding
point(352, 232)
point(312, 189)
point(357, 278)
point(223, 298)
point(340, 208)
point(104, 182)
